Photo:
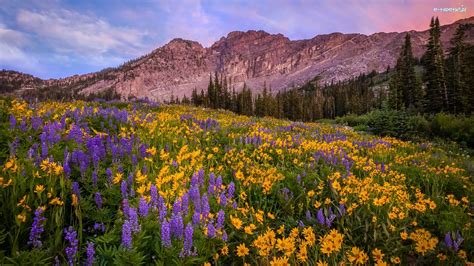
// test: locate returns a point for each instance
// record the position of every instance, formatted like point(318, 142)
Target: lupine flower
point(222, 199)
point(188, 241)
point(71, 249)
point(99, 227)
point(219, 183)
point(224, 236)
point(98, 200)
point(320, 216)
point(165, 234)
point(94, 178)
point(453, 242)
point(162, 207)
point(231, 190)
point(211, 230)
point(185, 203)
point(176, 226)
point(143, 207)
point(133, 217)
point(196, 218)
point(90, 252)
point(153, 196)
point(220, 219)
point(76, 191)
point(37, 228)
point(127, 234)
point(206, 209)
point(124, 189)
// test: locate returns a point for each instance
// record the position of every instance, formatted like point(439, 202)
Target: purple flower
point(206, 209)
point(127, 234)
point(162, 207)
point(188, 241)
point(185, 203)
point(124, 189)
point(154, 196)
point(143, 207)
point(210, 188)
point(37, 228)
point(12, 122)
point(94, 178)
point(320, 216)
point(176, 226)
point(211, 230)
point(90, 252)
point(165, 234)
point(98, 200)
point(231, 190)
point(196, 218)
point(219, 183)
point(220, 219)
point(177, 207)
point(71, 249)
point(133, 217)
point(223, 199)
point(76, 191)
point(99, 227)
point(224, 236)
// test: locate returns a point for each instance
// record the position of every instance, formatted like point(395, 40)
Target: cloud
point(66, 31)
point(12, 52)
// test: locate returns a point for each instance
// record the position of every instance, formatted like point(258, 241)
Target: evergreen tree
point(436, 90)
point(457, 72)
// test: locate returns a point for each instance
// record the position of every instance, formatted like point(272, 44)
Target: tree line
point(434, 83)
point(447, 81)
point(305, 103)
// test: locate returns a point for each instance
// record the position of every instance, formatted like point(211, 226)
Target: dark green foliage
point(433, 60)
point(309, 102)
point(405, 89)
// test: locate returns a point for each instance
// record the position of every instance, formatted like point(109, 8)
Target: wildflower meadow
point(138, 183)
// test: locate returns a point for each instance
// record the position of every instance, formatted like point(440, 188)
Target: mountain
point(254, 57)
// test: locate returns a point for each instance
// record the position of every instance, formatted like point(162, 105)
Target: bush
point(456, 128)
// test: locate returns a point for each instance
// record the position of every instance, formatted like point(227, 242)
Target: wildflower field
point(110, 183)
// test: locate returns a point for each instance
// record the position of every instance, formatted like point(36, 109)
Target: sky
point(55, 39)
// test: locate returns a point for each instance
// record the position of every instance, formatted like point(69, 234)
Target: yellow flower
point(225, 250)
point(236, 222)
point(239, 175)
point(39, 189)
point(117, 178)
point(317, 204)
point(279, 261)
point(377, 254)
point(151, 151)
point(462, 254)
point(322, 263)
point(207, 264)
point(21, 217)
point(242, 250)
point(404, 235)
point(441, 257)
point(249, 229)
point(357, 256)
point(395, 260)
point(56, 201)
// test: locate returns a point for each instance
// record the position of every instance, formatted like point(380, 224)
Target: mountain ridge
point(254, 57)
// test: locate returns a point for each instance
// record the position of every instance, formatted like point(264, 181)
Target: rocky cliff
point(254, 57)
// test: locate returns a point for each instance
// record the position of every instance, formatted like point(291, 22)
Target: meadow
point(111, 183)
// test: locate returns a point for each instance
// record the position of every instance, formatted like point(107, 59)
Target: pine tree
point(436, 90)
point(457, 71)
point(405, 90)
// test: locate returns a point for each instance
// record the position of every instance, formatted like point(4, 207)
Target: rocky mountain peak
point(252, 57)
